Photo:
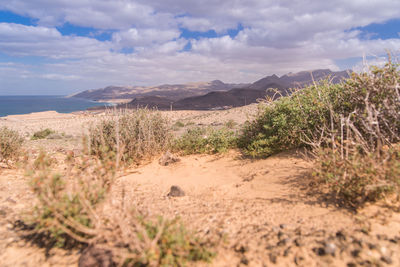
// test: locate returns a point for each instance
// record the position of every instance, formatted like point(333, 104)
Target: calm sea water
point(10, 105)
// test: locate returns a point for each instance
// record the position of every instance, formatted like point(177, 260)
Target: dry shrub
point(10, 145)
point(356, 149)
point(130, 136)
point(73, 206)
point(68, 200)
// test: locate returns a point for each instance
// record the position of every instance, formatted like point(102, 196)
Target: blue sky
point(61, 47)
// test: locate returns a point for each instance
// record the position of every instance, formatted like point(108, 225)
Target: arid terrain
point(260, 212)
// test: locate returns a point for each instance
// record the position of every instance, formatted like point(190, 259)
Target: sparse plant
point(73, 206)
point(230, 124)
point(130, 136)
point(10, 144)
point(68, 200)
point(179, 124)
point(205, 140)
point(42, 134)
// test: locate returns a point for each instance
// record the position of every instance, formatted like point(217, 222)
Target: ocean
point(10, 105)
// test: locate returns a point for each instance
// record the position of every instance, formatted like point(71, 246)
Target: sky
point(64, 46)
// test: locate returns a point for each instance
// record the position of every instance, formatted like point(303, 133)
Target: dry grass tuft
point(10, 145)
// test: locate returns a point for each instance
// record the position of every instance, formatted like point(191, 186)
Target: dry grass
point(10, 145)
point(74, 209)
point(130, 136)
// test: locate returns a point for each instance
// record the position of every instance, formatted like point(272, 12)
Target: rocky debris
point(176, 191)
point(95, 257)
point(167, 159)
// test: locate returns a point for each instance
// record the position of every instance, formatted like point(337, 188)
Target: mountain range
point(209, 95)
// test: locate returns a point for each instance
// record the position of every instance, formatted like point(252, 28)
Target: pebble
point(355, 253)
point(386, 259)
point(272, 257)
point(330, 248)
point(244, 261)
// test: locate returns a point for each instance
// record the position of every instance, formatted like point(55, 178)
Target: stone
point(176, 191)
point(330, 248)
point(386, 259)
point(95, 257)
point(168, 159)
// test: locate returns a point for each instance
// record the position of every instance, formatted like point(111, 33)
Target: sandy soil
point(265, 211)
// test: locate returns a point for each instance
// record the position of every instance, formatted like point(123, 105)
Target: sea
point(11, 105)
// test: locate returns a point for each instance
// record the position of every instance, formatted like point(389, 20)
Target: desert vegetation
point(351, 132)
point(130, 136)
point(42, 134)
point(352, 128)
point(198, 140)
point(10, 145)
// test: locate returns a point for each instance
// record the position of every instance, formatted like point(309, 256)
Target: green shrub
point(10, 144)
point(205, 140)
point(347, 125)
point(42, 134)
point(131, 136)
point(290, 121)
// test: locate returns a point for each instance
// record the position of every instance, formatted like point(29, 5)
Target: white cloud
point(275, 37)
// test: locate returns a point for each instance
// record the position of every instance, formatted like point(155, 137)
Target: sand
point(265, 209)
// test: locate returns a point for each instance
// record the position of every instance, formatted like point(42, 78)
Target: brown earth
point(261, 212)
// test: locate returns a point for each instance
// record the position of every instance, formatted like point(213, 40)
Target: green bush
point(348, 126)
point(131, 136)
point(205, 140)
point(42, 134)
point(291, 121)
point(10, 144)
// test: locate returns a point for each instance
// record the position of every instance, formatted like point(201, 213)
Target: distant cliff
point(210, 95)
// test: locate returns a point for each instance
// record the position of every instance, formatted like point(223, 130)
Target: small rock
point(3, 213)
point(167, 159)
point(287, 251)
point(272, 257)
point(351, 264)
point(244, 260)
point(355, 253)
point(340, 235)
point(95, 257)
point(283, 226)
point(330, 248)
point(284, 241)
point(241, 249)
point(298, 259)
point(298, 242)
point(10, 200)
point(386, 259)
point(392, 240)
point(176, 191)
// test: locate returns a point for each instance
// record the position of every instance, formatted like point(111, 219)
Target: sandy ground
point(265, 211)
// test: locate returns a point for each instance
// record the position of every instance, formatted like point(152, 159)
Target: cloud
point(273, 37)
point(21, 40)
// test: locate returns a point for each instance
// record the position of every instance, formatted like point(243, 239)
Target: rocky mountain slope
point(171, 91)
point(210, 95)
